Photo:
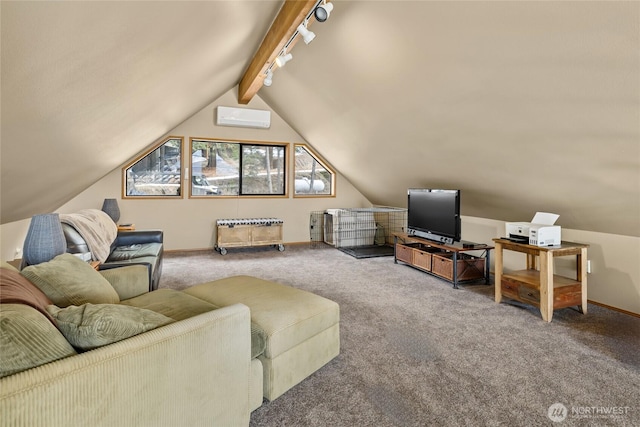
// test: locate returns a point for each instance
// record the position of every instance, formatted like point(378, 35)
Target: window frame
point(146, 153)
point(242, 143)
point(322, 163)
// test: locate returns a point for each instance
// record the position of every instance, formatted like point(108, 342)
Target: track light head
point(268, 81)
point(283, 59)
point(307, 35)
point(323, 11)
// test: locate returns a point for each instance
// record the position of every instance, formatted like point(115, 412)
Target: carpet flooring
point(416, 352)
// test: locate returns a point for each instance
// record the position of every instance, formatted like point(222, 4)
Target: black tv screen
point(434, 214)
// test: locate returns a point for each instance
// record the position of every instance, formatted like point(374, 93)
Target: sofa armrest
point(186, 373)
point(126, 238)
point(129, 281)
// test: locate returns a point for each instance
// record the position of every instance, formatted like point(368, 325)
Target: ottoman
point(302, 329)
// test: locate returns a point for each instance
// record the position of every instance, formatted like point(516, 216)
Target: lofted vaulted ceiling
point(525, 106)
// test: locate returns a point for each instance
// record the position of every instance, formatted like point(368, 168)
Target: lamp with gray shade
point(110, 207)
point(45, 239)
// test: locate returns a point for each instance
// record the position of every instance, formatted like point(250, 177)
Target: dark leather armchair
point(143, 247)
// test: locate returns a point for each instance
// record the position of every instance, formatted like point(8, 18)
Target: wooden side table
point(541, 287)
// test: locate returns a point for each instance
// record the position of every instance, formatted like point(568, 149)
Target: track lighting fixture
point(307, 35)
point(323, 11)
point(269, 79)
point(283, 59)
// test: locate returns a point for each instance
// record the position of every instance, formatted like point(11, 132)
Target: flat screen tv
point(434, 214)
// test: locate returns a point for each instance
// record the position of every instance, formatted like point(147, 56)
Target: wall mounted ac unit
point(243, 117)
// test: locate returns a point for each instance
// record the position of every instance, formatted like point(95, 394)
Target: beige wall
point(614, 280)
point(189, 223)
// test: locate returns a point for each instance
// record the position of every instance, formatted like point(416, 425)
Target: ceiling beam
point(292, 13)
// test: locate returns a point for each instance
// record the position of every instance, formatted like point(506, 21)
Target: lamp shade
point(45, 239)
point(110, 207)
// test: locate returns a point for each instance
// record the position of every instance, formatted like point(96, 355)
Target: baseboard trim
point(630, 313)
point(174, 251)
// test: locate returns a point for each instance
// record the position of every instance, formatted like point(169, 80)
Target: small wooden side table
point(126, 227)
point(15, 263)
point(541, 287)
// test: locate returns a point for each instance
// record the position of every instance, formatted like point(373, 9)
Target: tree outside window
point(226, 168)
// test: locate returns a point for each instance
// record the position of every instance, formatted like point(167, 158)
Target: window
point(235, 168)
point(156, 174)
point(313, 177)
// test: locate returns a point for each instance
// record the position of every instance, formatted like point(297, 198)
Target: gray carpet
point(416, 352)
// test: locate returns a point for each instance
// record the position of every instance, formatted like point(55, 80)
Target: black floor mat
point(368, 251)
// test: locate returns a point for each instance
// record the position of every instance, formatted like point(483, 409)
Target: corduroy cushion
point(16, 289)
point(93, 325)
point(28, 339)
point(178, 306)
point(288, 316)
point(67, 280)
point(171, 303)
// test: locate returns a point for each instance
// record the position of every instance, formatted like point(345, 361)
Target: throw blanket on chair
point(96, 228)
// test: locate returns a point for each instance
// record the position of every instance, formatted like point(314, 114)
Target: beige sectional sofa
point(206, 355)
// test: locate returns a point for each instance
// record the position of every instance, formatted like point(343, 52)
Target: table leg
point(395, 245)
point(581, 263)
point(455, 270)
point(546, 286)
point(487, 265)
point(498, 272)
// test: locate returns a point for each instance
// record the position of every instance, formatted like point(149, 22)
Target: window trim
point(242, 142)
point(322, 162)
point(142, 155)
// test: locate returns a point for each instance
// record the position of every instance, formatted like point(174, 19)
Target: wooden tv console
point(450, 262)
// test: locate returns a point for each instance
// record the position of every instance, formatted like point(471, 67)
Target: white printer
point(539, 232)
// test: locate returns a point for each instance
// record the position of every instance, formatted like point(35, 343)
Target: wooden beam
point(290, 16)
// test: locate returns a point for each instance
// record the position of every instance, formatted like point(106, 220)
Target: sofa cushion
point(67, 280)
point(28, 339)
point(93, 325)
point(288, 316)
point(171, 303)
point(16, 289)
point(139, 250)
point(178, 306)
point(129, 281)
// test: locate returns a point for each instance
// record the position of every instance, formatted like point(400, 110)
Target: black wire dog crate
point(361, 228)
